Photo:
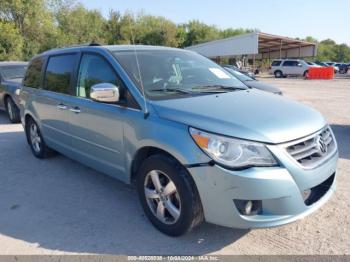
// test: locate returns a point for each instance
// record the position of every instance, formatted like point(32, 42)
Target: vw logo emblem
point(321, 145)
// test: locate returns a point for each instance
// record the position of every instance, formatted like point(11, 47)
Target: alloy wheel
point(162, 197)
point(10, 109)
point(35, 138)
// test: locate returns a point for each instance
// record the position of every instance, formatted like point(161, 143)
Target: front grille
point(313, 150)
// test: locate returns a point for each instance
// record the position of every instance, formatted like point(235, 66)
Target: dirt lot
point(58, 206)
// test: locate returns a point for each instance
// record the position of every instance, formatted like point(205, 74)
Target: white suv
point(285, 67)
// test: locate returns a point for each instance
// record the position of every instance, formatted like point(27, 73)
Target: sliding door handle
point(62, 107)
point(75, 110)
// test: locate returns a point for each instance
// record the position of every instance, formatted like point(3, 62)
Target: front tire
point(168, 195)
point(36, 140)
point(12, 111)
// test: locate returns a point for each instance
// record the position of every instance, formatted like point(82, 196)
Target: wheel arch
point(142, 154)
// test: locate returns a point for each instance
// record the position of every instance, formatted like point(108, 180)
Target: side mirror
point(105, 93)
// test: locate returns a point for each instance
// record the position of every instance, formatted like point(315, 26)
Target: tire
point(278, 74)
point(36, 140)
point(12, 111)
point(306, 74)
point(184, 200)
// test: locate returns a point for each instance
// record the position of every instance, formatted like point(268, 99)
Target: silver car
point(198, 144)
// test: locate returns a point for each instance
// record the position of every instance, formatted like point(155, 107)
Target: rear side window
point(276, 63)
point(290, 63)
point(33, 74)
point(59, 73)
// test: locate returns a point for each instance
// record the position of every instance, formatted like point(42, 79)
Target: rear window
point(13, 71)
point(59, 73)
point(33, 74)
point(276, 63)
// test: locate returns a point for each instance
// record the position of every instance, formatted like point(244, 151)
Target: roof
point(253, 44)
point(136, 47)
point(13, 63)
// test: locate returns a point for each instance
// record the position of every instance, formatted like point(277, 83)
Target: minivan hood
point(247, 114)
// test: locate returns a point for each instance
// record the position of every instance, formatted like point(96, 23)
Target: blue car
point(196, 142)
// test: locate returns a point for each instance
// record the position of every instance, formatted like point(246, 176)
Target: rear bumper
point(279, 191)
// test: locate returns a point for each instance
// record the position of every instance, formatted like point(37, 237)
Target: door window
point(94, 70)
point(290, 63)
point(59, 73)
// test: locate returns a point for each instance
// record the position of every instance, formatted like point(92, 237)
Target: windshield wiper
point(178, 90)
point(207, 88)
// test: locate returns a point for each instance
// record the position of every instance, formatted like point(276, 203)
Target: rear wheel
point(36, 140)
point(168, 195)
point(12, 111)
point(278, 74)
point(306, 74)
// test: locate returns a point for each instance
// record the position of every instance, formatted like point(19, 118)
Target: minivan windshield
point(173, 73)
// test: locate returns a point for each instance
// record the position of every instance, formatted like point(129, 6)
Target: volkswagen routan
point(196, 142)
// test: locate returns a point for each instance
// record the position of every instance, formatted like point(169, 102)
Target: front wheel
point(12, 111)
point(168, 195)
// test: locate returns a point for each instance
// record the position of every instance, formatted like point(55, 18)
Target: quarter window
point(59, 73)
point(276, 63)
point(33, 74)
point(94, 70)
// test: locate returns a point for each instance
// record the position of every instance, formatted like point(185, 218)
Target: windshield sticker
point(219, 73)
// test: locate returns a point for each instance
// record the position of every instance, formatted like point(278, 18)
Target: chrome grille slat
point(308, 153)
point(301, 149)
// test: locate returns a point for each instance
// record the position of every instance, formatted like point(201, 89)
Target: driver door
point(97, 128)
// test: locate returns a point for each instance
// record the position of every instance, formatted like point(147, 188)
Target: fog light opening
point(248, 207)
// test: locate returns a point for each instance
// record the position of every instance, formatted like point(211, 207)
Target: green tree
point(198, 32)
point(78, 25)
point(11, 42)
point(33, 20)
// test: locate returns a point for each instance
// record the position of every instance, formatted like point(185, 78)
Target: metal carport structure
point(256, 45)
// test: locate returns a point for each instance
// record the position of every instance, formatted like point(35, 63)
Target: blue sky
point(294, 18)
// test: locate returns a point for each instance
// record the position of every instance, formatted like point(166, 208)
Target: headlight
point(233, 152)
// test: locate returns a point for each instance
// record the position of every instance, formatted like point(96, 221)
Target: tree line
point(28, 27)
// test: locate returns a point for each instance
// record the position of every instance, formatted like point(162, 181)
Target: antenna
point(146, 112)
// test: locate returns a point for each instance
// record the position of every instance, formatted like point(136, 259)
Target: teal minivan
point(197, 143)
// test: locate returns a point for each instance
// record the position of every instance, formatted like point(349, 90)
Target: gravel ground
point(58, 206)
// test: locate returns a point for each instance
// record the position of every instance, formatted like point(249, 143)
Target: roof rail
point(79, 45)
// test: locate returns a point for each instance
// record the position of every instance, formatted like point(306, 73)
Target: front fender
point(169, 136)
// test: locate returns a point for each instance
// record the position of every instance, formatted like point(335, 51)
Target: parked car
point(312, 64)
point(195, 141)
point(321, 64)
point(324, 64)
point(289, 67)
point(253, 83)
point(11, 75)
point(336, 69)
point(245, 72)
point(343, 68)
